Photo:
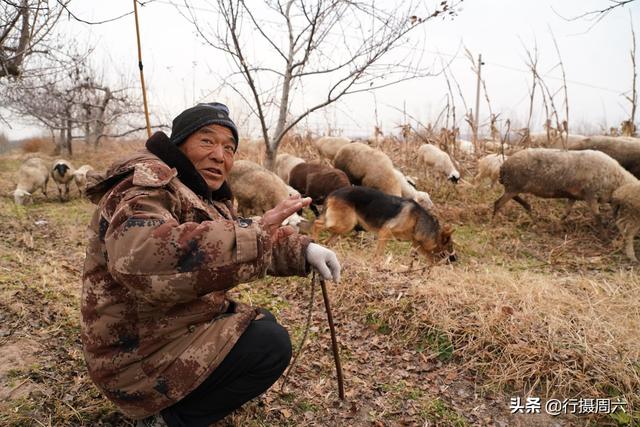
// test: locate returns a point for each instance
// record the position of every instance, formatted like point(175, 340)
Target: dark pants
point(256, 361)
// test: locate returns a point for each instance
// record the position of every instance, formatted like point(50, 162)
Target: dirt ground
point(534, 307)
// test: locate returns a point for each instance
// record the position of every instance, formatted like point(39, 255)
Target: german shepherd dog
point(389, 216)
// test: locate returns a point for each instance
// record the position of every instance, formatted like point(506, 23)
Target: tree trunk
point(59, 150)
point(270, 157)
point(67, 141)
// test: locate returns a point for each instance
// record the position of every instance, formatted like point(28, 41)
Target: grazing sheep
point(258, 190)
point(328, 146)
point(576, 175)
point(627, 153)
point(284, 163)
point(368, 167)
point(492, 145)
point(80, 177)
point(62, 174)
point(33, 174)
point(437, 160)
point(553, 141)
point(626, 203)
point(409, 191)
point(489, 167)
point(317, 181)
point(465, 147)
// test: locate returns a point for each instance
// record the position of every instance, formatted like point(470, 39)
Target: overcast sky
point(179, 70)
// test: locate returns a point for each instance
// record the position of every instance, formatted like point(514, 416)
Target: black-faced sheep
point(576, 175)
point(627, 153)
point(284, 163)
point(489, 167)
point(317, 181)
point(258, 190)
point(328, 146)
point(626, 203)
point(368, 167)
point(32, 175)
point(62, 174)
point(436, 160)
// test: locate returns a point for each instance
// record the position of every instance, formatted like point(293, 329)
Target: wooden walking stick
point(334, 340)
point(144, 90)
point(332, 329)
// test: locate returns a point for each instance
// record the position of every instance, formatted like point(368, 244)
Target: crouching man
point(161, 338)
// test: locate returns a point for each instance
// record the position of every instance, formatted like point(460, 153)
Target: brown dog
point(389, 216)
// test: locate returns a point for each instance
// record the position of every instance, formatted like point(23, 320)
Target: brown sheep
point(317, 181)
point(368, 167)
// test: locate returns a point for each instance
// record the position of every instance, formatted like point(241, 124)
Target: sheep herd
point(34, 175)
point(596, 170)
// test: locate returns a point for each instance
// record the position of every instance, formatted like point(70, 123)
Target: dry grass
point(534, 307)
point(38, 145)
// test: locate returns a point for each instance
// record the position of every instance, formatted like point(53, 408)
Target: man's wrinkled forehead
point(220, 132)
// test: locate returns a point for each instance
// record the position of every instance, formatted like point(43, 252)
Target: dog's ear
point(445, 234)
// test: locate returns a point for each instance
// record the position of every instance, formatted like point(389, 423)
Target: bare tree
point(533, 66)
point(339, 45)
point(600, 13)
point(73, 100)
point(564, 130)
point(548, 100)
point(628, 126)
point(25, 31)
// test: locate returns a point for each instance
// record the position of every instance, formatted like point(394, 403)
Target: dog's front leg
point(383, 237)
point(318, 225)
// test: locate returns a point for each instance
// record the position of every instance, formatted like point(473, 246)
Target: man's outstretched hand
point(272, 219)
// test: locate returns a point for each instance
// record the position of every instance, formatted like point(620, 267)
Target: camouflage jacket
point(156, 320)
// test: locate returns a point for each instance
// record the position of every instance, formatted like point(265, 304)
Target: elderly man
point(162, 340)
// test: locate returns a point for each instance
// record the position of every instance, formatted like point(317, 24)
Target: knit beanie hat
point(192, 119)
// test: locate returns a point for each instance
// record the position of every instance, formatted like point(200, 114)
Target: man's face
point(210, 149)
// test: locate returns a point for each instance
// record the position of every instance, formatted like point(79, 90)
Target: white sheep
point(368, 167)
point(489, 167)
point(576, 175)
point(258, 190)
point(284, 163)
point(465, 147)
point(554, 141)
point(626, 203)
point(32, 175)
point(80, 176)
point(626, 152)
point(409, 191)
point(328, 146)
point(438, 161)
point(62, 174)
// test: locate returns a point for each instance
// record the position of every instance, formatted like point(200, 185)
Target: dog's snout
point(453, 257)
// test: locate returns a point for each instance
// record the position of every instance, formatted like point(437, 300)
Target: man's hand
point(324, 261)
point(272, 219)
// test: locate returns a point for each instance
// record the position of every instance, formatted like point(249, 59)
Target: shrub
point(38, 144)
